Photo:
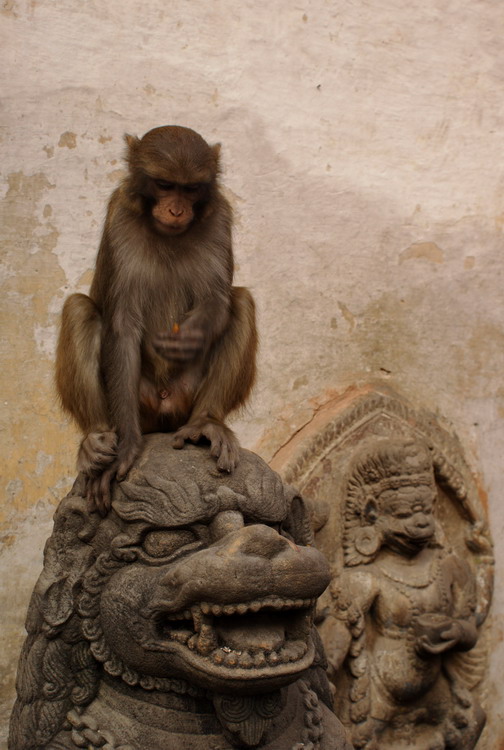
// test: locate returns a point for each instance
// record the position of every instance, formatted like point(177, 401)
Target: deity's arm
point(456, 629)
point(463, 593)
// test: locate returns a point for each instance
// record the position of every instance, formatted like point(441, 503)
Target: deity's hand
point(438, 633)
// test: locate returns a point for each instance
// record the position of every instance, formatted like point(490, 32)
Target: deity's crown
point(390, 464)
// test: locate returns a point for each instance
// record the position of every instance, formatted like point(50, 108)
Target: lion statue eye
point(165, 542)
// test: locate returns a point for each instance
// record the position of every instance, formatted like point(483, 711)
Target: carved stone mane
point(182, 619)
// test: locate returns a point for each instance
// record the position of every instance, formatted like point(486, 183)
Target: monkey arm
point(121, 362)
point(210, 316)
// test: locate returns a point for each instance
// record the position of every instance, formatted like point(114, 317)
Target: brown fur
point(164, 341)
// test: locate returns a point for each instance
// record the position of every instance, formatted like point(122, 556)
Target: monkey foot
point(224, 445)
point(97, 450)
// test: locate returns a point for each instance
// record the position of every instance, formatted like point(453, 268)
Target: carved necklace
point(410, 577)
point(87, 734)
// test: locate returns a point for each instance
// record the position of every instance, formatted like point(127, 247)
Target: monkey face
point(175, 205)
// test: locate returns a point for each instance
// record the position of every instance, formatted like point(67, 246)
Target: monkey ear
point(216, 149)
point(131, 142)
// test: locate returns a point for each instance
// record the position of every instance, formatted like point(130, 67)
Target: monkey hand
point(97, 450)
point(180, 345)
point(224, 445)
point(98, 488)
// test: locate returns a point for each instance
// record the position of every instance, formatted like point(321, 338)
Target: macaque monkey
point(163, 342)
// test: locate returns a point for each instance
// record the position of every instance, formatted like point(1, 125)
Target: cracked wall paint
point(361, 153)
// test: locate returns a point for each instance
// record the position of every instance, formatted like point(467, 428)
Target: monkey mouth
point(260, 637)
point(170, 228)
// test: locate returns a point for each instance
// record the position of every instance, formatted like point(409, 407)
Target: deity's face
point(406, 518)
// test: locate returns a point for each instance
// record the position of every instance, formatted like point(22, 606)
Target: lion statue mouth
point(261, 636)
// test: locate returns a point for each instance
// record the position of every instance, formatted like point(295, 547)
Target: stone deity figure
point(405, 610)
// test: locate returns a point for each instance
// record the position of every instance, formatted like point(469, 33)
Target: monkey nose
point(176, 211)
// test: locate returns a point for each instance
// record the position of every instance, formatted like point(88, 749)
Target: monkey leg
point(79, 382)
point(230, 375)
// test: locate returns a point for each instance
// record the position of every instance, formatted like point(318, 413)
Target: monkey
point(163, 342)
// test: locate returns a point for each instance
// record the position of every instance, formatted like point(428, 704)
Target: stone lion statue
point(183, 619)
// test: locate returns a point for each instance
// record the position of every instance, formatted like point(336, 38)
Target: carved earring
point(367, 541)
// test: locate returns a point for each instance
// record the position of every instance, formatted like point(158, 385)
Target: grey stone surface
point(183, 619)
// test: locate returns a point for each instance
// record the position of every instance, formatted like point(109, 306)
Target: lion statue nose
point(257, 540)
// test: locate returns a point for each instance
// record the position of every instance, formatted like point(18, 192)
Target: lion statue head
point(183, 616)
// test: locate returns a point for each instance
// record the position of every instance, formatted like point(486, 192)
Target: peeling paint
point(68, 140)
point(347, 315)
point(8, 8)
point(299, 382)
point(426, 250)
point(43, 461)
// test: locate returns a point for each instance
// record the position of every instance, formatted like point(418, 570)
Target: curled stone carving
point(183, 619)
point(403, 622)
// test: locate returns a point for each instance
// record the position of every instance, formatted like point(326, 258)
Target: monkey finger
point(178, 442)
point(228, 459)
point(103, 498)
point(216, 446)
point(92, 492)
point(123, 469)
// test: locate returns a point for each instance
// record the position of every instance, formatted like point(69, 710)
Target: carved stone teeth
point(199, 618)
point(207, 640)
point(259, 659)
point(246, 660)
point(273, 658)
point(192, 642)
point(284, 655)
point(231, 659)
point(302, 648)
point(218, 656)
point(207, 608)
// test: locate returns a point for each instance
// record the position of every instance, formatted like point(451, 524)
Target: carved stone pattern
point(186, 612)
point(352, 472)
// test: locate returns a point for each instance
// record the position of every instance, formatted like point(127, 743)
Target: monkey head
point(174, 170)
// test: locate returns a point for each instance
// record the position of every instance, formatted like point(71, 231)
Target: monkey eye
point(163, 185)
point(191, 188)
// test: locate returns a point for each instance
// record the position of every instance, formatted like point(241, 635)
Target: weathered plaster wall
point(362, 147)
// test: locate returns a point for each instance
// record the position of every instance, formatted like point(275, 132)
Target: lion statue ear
point(45, 680)
point(298, 522)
